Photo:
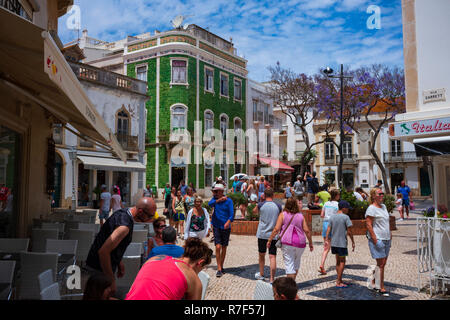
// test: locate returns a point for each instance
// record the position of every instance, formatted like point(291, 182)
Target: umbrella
point(239, 175)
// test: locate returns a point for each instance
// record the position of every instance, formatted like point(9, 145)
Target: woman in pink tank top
point(166, 278)
point(293, 230)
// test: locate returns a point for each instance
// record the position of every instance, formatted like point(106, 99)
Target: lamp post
point(73, 157)
point(329, 73)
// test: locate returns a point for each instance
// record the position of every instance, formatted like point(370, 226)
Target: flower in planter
point(429, 212)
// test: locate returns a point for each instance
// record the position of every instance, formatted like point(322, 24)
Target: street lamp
point(329, 73)
point(73, 157)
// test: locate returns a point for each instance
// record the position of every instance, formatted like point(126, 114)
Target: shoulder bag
point(278, 244)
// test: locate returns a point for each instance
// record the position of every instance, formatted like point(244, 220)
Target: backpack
point(315, 185)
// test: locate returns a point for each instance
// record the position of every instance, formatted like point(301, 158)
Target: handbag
point(412, 206)
point(278, 244)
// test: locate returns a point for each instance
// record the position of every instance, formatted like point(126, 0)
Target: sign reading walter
point(420, 127)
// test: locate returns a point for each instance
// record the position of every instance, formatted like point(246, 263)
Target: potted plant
point(285, 155)
point(250, 215)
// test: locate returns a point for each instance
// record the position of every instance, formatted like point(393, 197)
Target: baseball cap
point(219, 187)
point(344, 204)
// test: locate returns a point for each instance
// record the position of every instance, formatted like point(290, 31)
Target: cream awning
point(110, 164)
point(32, 64)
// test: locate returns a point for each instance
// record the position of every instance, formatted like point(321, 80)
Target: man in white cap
point(221, 221)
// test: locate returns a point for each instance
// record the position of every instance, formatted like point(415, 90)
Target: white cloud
point(303, 35)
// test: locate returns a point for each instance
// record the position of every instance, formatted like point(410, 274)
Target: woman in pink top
point(166, 278)
point(294, 230)
point(116, 201)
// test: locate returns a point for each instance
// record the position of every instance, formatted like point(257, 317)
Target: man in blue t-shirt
point(169, 237)
point(406, 192)
point(183, 188)
point(221, 221)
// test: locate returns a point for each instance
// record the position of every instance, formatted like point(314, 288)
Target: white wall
point(433, 49)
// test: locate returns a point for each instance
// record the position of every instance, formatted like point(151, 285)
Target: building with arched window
point(193, 75)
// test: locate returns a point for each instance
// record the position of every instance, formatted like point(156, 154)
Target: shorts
point(405, 203)
point(221, 236)
point(178, 217)
point(341, 252)
point(292, 257)
point(262, 246)
point(324, 229)
point(311, 197)
point(381, 249)
point(103, 214)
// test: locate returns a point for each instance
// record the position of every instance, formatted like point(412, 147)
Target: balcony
point(16, 7)
point(330, 159)
point(348, 158)
point(395, 157)
point(128, 143)
point(108, 78)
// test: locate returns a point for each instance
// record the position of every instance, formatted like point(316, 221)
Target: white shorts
point(292, 257)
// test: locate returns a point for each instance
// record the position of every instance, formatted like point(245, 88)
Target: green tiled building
point(193, 75)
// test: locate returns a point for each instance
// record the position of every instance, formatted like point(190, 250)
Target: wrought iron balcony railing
point(16, 7)
point(348, 158)
point(392, 157)
point(129, 143)
point(330, 159)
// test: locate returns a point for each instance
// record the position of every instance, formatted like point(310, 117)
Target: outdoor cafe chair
point(69, 224)
point(132, 266)
point(89, 226)
point(263, 291)
point(55, 225)
point(39, 238)
point(85, 239)
point(6, 279)
point(82, 219)
point(62, 247)
point(134, 249)
point(14, 245)
point(52, 293)
point(32, 265)
point(204, 278)
point(46, 279)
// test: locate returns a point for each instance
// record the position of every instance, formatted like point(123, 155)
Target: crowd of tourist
point(279, 227)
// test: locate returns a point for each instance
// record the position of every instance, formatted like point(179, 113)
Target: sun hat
point(219, 187)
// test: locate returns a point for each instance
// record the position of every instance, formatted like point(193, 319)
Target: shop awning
point(276, 164)
point(110, 164)
point(436, 146)
point(32, 64)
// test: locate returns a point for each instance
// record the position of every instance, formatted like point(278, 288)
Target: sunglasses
point(161, 226)
point(380, 194)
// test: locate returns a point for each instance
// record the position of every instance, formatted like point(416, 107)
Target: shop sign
point(434, 95)
point(420, 127)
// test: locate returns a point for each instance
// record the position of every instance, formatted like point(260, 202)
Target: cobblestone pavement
point(401, 274)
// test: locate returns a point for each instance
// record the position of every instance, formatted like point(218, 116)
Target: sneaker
point(400, 219)
point(384, 293)
point(219, 274)
point(258, 276)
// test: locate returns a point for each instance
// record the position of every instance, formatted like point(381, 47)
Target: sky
point(303, 35)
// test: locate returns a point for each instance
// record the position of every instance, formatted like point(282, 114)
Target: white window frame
point(172, 108)
point(345, 147)
point(204, 119)
point(146, 71)
point(228, 85)
point(329, 146)
point(224, 136)
point(171, 72)
point(234, 89)
point(206, 80)
point(396, 151)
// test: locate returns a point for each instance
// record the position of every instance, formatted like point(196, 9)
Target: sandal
point(383, 293)
point(322, 271)
point(342, 286)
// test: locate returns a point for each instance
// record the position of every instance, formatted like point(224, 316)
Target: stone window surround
point(117, 119)
point(187, 72)
point(212, 90)
point(186, 110)
point(220, 81)
point(234, 86)
point(204, 116)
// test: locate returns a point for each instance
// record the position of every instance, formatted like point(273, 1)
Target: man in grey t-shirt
point(338, 228)
point(268, 216)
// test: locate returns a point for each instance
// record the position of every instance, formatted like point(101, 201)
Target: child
point(338, 228)
point(399, 204)
point(285, 288)
point(98, 287)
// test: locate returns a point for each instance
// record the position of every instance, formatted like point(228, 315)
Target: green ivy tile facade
point(186, 95)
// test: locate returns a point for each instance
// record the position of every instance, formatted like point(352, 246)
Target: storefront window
point(122, 180)
point(9, 173)
point(83, 186)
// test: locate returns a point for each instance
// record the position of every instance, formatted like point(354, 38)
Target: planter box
point(244, 228)
point(278, 195)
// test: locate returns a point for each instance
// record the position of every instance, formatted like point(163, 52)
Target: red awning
point(276, 164)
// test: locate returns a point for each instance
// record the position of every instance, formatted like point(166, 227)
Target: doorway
point(348, 179)
point(397, 176)
point(178, 174)
point(425, 188)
